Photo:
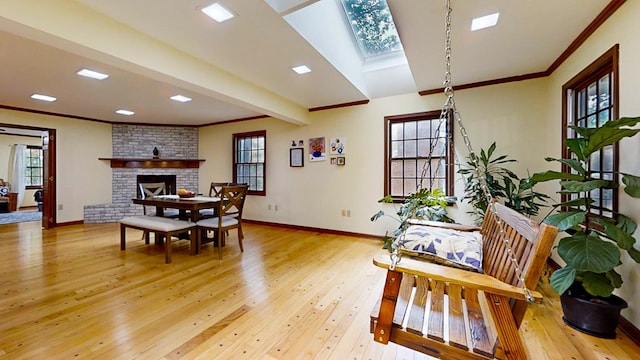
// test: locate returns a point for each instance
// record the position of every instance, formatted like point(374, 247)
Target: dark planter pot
point(599, 319)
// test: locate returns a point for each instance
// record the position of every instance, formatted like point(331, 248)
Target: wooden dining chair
point(214, 191)
point(232, 200)
point(154, 189)
point(149, 190)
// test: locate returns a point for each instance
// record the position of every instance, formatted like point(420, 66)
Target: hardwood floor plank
point(70, 293)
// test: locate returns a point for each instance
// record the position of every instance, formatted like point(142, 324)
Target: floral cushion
point(4, 191)
point(462, 249)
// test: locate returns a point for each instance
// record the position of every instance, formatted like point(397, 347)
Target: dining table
point(189, 207)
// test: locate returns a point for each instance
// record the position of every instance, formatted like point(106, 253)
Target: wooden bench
point(452, 313)
point(161, 226)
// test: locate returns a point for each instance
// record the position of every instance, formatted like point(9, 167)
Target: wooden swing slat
point(457, 328)
point(435, 324)
point(416, 317)
point(479, 338)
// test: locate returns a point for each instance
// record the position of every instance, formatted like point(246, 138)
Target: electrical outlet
point(343, 212)
point(60, 207)
point(348, 213)
point(269, 207)
point(276, 207)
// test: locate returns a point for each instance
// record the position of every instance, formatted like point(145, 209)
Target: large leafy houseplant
point(422, 204)
point(502, 183)
point(592, 249)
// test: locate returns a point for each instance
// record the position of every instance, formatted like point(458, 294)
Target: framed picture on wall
point(296, 158)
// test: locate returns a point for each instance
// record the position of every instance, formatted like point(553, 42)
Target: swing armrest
point(445, 225)
point(452, 275)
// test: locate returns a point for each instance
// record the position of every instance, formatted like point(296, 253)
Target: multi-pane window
point(33, 167)
point(418, 153)
point(591, 99)
point(249, 160)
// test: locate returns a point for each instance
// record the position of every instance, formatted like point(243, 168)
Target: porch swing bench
point(453, 313)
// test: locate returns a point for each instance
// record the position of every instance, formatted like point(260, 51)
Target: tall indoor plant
point(502, 184)
point(593, 245)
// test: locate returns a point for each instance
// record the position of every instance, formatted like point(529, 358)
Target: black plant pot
point(598, 318)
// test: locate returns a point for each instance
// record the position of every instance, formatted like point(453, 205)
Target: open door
point(48, 179)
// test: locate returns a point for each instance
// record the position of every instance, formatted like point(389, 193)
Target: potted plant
point(501, 182)
point(422, 204)
point(593, 245)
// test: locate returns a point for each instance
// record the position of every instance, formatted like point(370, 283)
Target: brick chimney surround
point(137, 142)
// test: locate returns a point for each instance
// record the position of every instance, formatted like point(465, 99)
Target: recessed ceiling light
point(92, 74)
point(218, 12)
point(180, 98)
point(43, 97)
point(124, 112)
point(484, 21)
point(302, 69)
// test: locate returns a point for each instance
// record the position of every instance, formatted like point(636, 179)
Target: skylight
point(372, 26)
point(218, 12)
point(43, 97)
point(92, 74)
point(484, 21)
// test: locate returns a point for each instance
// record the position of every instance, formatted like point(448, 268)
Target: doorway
point(48, 142)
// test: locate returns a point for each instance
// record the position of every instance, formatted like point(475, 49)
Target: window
point(372, 26)
point(33, 167)
point(418, 151)
point(590, 100)
point(249, 160)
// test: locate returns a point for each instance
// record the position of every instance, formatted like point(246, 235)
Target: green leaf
point(623, 121)
point(626, 224)
point(377, 215)
point(554, 175)
point(589, 253)
point(624, 240)
point(614, 278)
point(387, 199)
point(606, 135)
point(566, 219)
point(562, 279)
point(585, 186)
point(597, 284)
point(632, 183)
point(635, 254)
point(576, 202)
point(577, 147)
point(572, 163)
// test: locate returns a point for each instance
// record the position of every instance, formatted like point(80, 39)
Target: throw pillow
point(461, 249)
point(4, 191)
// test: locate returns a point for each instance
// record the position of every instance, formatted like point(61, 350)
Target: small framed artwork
point(296, 157)
point(340, 160)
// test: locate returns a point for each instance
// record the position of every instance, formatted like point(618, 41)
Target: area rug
point(20, 216)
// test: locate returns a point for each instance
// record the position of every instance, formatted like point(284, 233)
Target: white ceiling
point(241, 68)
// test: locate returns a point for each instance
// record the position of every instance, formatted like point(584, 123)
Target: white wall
point(621, 28)
point(82, 179)
point(511, 114)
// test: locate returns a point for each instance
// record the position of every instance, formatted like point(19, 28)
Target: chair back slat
point(232, 200)
point(150, 190)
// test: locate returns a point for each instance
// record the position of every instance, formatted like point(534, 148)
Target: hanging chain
point(449, 109)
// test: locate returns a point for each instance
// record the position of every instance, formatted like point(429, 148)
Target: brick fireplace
point(137, 142)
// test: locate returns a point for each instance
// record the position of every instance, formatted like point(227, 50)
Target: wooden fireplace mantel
point(154, 163)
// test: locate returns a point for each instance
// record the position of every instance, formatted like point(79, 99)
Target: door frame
point(49, 172)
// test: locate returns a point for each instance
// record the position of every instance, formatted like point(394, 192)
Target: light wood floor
point(70, 293)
